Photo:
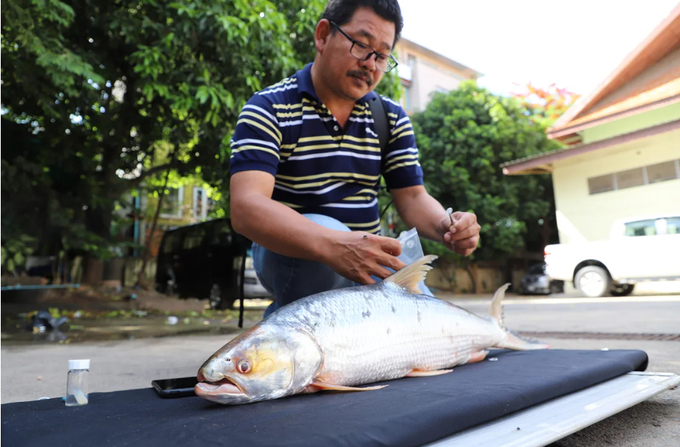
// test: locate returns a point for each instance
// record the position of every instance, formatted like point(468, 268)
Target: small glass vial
point(76, 382)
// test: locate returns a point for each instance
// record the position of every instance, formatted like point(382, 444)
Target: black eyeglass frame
point(390, 58)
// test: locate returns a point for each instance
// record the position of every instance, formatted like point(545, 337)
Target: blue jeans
point(289, 279)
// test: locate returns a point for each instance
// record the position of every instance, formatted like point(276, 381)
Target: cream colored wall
point(632, 123)
point(430, 78)
point(585, 217)
point(429, 74)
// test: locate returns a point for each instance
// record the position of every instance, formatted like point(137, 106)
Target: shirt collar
point(305, 85)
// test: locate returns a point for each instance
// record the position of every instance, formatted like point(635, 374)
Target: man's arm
point(419, 209)
point(354, 255)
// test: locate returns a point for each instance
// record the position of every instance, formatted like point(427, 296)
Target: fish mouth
point(219, 388)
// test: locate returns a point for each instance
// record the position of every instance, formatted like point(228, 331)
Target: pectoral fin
point(418, 373)
point(318, 386)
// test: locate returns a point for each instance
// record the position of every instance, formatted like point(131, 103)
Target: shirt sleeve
point(257, 140)
point(401, 167)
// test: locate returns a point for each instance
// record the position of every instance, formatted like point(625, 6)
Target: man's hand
point(463, 236)
point(357, 255)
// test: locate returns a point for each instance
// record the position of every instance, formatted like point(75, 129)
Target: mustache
point(363, 74)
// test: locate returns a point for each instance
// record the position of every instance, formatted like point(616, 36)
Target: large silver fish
point(339, 339)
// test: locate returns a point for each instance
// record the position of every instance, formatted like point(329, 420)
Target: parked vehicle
point(537, 281)
point(204, 261)
point(252, 287)
point(638, 249)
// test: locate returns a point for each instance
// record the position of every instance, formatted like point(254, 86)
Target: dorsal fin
point(496, 311)
point(412, 274)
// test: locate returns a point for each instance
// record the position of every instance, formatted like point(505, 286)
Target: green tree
point(101, 86)
point(463, 137)
point(545, 106)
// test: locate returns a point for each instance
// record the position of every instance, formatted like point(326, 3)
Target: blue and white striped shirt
point(319, 167)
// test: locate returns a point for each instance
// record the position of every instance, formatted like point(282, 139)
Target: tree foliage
point(463, 137)
point(546, 105)
point(101, 97)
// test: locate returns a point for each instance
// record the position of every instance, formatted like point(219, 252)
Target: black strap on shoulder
point(379, 114)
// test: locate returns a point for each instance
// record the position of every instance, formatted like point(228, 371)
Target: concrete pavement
point(635, 314)
point(30, 372)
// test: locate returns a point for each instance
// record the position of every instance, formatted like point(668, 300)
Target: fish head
point(266, 362)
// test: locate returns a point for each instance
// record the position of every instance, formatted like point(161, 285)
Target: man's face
point(349, 77)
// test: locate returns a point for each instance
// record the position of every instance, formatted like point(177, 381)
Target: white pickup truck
point(638, 249)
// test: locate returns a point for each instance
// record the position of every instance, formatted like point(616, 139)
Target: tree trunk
point(98, 222)
point(94, 270)
point(147, 251)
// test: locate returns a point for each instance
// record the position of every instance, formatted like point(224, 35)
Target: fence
point(132, 268)
point(457, 280)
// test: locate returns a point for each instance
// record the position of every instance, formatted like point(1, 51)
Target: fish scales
point(382, 332)
point(339, 339)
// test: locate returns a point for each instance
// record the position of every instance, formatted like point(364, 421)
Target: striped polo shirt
point(318, 166)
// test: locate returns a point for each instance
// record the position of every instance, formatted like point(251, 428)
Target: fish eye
point(244, 366)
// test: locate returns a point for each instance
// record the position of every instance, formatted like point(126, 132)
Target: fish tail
point(514, 341)
point(510, 340)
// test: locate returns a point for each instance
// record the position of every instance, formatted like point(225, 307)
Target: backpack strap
point(379, 114)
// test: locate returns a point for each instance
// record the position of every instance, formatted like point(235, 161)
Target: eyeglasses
point(363, 52)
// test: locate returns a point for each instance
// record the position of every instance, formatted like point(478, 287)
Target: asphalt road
point(30, 372)
point(613, 323)
point(633, 314)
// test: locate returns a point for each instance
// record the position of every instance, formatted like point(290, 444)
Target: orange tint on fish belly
point(418, 373)
point(478, 356)
point(321, 386)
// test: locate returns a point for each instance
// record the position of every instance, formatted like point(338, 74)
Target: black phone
point(180, 387)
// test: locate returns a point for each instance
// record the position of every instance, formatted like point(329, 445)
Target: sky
point(575, 44)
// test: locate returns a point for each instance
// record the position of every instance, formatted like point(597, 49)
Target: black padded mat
point(409, 412)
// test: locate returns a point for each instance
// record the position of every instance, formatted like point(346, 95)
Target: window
point(221, 234)
point(172, 203)
point(645, 175)
point(600, 184)
point(171, 243)
point(536, 269)
point(630, 178)
point(673, 225)
point(194, 237)
point(407, 98)
point(411, 61)
point(641, 228)
point(662, 171)
point(200, 203)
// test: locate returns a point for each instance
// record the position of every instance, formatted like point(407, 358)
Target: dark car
point(205, 261)
point(536, 281)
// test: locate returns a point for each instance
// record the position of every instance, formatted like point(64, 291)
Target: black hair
point(341, 12)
